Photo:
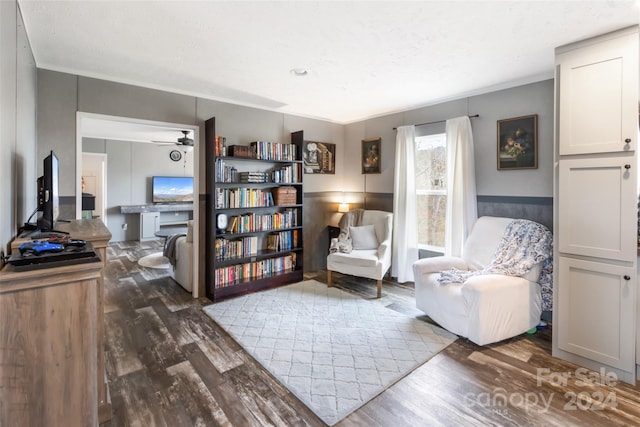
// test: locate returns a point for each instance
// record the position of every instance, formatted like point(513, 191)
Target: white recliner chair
point(183, 271)
point(485, 308)
point(371, 254)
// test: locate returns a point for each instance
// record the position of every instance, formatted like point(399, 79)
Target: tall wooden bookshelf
point(258, 187)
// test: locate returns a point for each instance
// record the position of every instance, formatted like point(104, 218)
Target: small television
point(48, 197)
point(172, 189)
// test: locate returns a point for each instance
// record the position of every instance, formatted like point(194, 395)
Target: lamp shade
point(343, 207)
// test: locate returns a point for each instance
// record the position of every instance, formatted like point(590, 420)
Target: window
point(431, 190)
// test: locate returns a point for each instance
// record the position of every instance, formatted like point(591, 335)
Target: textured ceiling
point(364, 58)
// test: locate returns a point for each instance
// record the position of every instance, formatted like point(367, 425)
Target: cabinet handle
point(627, 167)
point(627, 141)
point(627, 277)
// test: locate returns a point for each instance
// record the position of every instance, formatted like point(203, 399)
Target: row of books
point(220, 146)
point(260, 222)
point(283, 241)
point(253, 177)
point(227, 276)
point(266, 150)
point(287, 174)
point(238, 248)
point(242, 198)
point(225, 172)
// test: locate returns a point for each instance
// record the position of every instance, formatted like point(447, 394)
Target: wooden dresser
point(95, 232)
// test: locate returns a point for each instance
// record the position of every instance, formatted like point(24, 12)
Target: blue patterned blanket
point(524, 244)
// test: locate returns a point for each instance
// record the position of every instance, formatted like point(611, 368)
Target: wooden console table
point(48, 344)
point(95, 232)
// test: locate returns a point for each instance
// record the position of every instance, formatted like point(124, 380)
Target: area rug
point(155, 260)
point(333, 350)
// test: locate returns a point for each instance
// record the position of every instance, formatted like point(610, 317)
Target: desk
point(156, 216)
point(95, 232)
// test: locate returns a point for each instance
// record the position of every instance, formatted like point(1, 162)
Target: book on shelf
point(240, 151)
point(235, 274)
point(225, 172)
point(266, 150)
point(220, 148)
point(252, 222)
point(242, 198)
point(236, 248)
point(253, 177)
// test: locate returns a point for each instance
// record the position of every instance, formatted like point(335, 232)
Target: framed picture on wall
point(371, 155)
point(319, 157)
point(518, 143)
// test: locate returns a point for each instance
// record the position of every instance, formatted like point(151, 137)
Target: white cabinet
point(599, 81)
point(149, 224)
point(596, 299)
point(594, 207)
point(595, 203)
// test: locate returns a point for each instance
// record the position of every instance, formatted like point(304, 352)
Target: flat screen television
point(172, 189)
point(48, 197)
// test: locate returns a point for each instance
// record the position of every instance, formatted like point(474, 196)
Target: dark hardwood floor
point(168, 364)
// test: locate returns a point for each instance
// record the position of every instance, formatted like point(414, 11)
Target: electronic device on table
point(48, 206)
point(53, 252)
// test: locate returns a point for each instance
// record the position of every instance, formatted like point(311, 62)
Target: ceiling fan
point(184, 140)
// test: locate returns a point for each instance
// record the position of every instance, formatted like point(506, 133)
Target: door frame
point(198, 288)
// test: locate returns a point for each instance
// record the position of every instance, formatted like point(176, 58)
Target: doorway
point(120, 129)
point(94, 167)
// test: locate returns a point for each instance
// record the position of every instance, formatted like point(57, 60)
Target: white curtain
point(462, 210)
point(405, 216)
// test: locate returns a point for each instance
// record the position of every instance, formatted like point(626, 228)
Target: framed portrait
point(371, 155)
point(319, 157)
point(518, 143)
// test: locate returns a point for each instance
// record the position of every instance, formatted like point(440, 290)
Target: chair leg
point(329, 284)
point(379, 288)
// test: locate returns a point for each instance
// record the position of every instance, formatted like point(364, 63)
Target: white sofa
point(485, 308)
point(183, 271)
point(372, 263)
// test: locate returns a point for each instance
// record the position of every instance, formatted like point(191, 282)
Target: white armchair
point(183, 270)
point(486, 308)
point(371, 253)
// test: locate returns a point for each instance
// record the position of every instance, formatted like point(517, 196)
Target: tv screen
point(48, 197)
point(172, 189)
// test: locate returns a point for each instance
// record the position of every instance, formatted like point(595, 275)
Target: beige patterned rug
point(333, 350)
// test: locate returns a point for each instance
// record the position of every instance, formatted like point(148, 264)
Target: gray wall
point(520, 193)
point(18, 159)
point(535, 98)
point(60, 95)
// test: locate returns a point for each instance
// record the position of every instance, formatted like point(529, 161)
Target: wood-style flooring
point(168, 364)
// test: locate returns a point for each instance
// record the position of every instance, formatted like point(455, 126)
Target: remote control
point(40, 247)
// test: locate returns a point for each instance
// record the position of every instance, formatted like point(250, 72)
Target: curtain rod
point(439, 121)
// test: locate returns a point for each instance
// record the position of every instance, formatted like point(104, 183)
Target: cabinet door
point(598, 95)
point(149, 224)
point(596, 309)
point(597, 207)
